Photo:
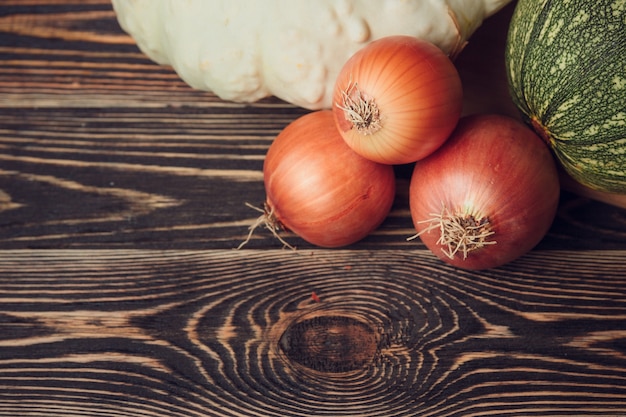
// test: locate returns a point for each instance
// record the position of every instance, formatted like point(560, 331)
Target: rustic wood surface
point(122, 196)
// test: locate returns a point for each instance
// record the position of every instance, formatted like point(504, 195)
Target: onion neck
point(360, 110)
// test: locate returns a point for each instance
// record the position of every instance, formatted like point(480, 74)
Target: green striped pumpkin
point(566, 68)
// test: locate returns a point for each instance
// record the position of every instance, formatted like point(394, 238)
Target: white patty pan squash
point(244, 50)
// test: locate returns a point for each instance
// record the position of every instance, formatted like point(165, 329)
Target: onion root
point(271, 223)
point(459, 233)
point(360, 110)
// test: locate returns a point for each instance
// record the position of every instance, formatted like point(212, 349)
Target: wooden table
point(122, 196)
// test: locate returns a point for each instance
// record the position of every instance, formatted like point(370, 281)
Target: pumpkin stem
point(459, 233)
point(360, 110)
point(269, 220)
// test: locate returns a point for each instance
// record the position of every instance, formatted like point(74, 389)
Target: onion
point(397, 99)
point(321, 190)
point(487, 196)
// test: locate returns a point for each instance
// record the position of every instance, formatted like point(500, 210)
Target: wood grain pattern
point(182, 333)
point(122, 194)
point(87, 118)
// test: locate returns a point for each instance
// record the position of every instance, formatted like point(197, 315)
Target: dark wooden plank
point(180, 178)
point(180, 333)
point(100, 146)
point(58, 53)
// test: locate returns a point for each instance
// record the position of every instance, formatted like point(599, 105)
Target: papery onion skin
point(417, 90)
point(321, 190)
point(492, 167)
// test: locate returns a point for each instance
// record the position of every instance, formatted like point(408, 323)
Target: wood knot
point(330, 344)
